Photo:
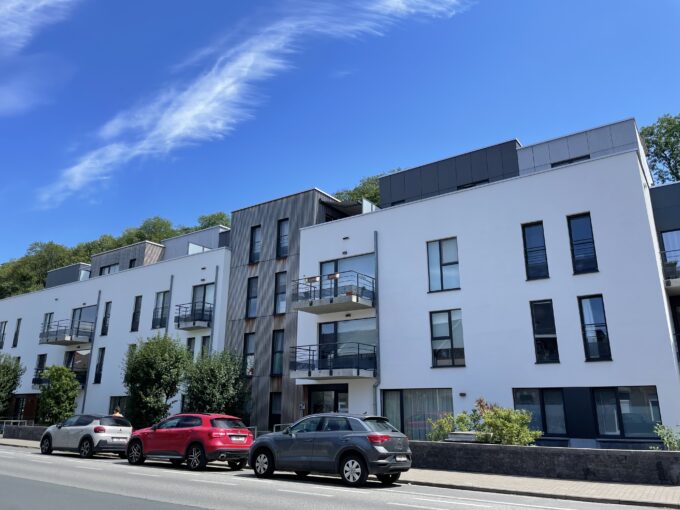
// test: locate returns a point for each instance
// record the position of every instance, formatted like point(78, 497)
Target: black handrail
point(198, 311)
point(671, 264)
point(343, 283)
point(57, 329)
point(39, 379)
point(160, 317)
point(347, 355)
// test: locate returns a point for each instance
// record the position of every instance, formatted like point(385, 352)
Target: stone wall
point(29, 433)
point(625, 466)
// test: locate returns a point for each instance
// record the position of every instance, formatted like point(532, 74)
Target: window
point(15, 340)
point(83, 321)
point(170, 423)
point(274, 409)
point(671, 254)
point(191, 341)
point(535, 257)
point(47, 322)
point(255, 244)
point(84, 274)
point(545, 336)
point(442, 263)
point(205, 346)
point(187, 422)
point(40, 363)
point(106, 319)
point(280, 293)
point(583, 256)
point(119, 402)
point(411, 410)
point(546, 407)
point(100, 366)
point(3, 329)
point(447, 339)
point(594, 328)
point(332, 424)
point(630, 411)
point(310, 424)
point(203, 299)
point(196, 248)
point(347, 344)
point(110, 269)
point(282, 228)
point(137, 310)
point(249, 354)
point(132, 263)
point(161, 310)
point(277, 352)
point(251, 303)
point(350, 274)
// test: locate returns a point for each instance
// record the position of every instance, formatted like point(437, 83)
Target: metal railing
point(160, 317)
point(340, 356)
point(198, 311)
point(597, 341)
point(39, 379)
point(583, 252)
point(671, 264)
point(59, 330)
point(344, 283)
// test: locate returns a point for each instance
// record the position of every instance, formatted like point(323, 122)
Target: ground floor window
point(274, 409)
point(630, 411)
point(331, 398)
point(546, 407)
point(411, 409)
point(120, 402)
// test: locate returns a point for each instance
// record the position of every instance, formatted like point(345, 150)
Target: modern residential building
point(178, 287)
point(547, 282)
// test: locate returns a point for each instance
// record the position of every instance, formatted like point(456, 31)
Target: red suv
point(194, 438)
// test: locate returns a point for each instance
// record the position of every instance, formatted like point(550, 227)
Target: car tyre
point(237, 465)
point(176, 462)
point(135, 453)
point(388, 479)
point(302, 474)
point(353, 470)
point(86, 448)
point(46, 445)
point(263, 464)
point(196, 459)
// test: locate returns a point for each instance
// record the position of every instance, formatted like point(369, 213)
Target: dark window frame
point(205, 346)
point(17, 332)
point(571, 243)
point(275, 352)
point(282, 249)
point(106, 318)
point(541, 399)
point(619, 414)
point(278, 293)
point(254, 258)
point(450, 338)
point(249, 297)
point(136, 313)
point(99, 368)
point(247, 354)
point(583, 328)
point(533, 327)
point(3, 332)
point(441, 264)
point(191, 346)
point(161, 314)
point(525, 226)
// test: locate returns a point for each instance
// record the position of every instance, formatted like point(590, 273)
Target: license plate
point(402, 458)
point(238, 439)
point(119, 439)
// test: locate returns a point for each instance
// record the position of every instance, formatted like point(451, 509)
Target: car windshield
point(226, 423)
point(379, 425)
point(114, 421)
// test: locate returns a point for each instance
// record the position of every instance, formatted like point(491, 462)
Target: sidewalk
point(22, 443)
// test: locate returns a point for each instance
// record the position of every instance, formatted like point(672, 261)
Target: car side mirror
point(60, 425)
point(154, 427)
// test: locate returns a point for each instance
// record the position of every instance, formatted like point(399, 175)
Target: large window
point(630, 411)
point(202, 301)
point(110, 269)
point(594, 328)
point(191, 346)
point(546, 407)
point(350, 274)
point(277, 352)
point(583, 256)
point(255, 244)
point(100, 366)
point(545, 335)
point(442, 263)
point(106, 319)
point(47, 321)
point(3, 330)
point(17, 330)
point(274, 409)
point(249, 354)
point(40, 363)
point(120, 402)
point(161, 310)
point(282, 228)
point(446, 329)
point(411, 410)
point(671, 254)
point(280, 293)
point(535, 256)
point(136, 311)
point(251, 298)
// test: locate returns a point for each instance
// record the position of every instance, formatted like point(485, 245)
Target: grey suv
point(352, 446)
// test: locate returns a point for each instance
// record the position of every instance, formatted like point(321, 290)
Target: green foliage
point(367, 188)
point(58, 397)
point(215, 384)
point(670, 436)
point(663, 147)
point(152, 375)
point(11, 371)
point(213, 220)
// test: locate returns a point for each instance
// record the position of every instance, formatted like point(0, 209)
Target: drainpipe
point(376, 302)
point(212, 321)
point(167, 323)
point(89, 364)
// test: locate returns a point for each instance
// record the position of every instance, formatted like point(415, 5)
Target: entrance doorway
point(331, 398)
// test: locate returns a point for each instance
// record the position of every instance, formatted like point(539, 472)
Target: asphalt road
point(29, 480)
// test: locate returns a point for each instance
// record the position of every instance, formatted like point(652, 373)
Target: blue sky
point(112, 112)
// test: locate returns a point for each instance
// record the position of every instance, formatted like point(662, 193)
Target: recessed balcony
point(39, 378)
point(198, 315)
point(66, 332)
point(335, 292)
point(670, 260)
point(333, 361)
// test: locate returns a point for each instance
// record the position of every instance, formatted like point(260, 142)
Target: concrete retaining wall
point(626, 466)
point(29, 433)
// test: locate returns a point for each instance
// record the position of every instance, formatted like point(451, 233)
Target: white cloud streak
point(211, 105)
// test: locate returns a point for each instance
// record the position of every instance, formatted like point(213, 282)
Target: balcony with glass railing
point(333, 361)
point(196, 315)
point(67, 332)
point(670, 261)
point(335, 292)
point(160, 317)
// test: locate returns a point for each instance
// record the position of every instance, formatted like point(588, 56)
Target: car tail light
point(218, 433)
point(378, 438)
point(99, 429)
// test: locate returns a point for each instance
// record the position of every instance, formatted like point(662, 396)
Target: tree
point(57, 397)
point(213, 220)
point(215, 384)
point(367, 188)
point(663, 147)
point(152, 375)
point(11, 371)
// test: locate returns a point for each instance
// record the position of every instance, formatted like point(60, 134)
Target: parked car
point(352, 446)
point(193, 438)
point(87, 434)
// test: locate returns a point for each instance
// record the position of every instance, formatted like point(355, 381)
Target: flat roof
point(127, 246)
point(287, 196)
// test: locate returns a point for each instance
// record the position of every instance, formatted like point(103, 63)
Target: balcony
point(40, 380)
point(336, 292)
point(333, 361)
point(66, 332)
point(670, 260)
point(196, 315)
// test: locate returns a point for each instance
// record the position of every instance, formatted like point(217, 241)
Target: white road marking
point(356, 491)
point(41, 461)
point(256, 480)
point(88, 467)
point(418, 506)
point(461, 498)
point(217, 483)
point(147, 474)
point(452, 502)
point(307, 493)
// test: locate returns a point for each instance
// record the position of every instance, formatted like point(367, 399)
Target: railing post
point(310, 361)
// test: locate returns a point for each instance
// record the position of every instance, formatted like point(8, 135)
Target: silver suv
point(88, 434)
point(352, 446)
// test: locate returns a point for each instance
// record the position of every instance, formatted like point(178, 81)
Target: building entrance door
point(328, 399)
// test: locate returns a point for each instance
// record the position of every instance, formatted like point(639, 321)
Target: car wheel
point(389, 479)
point(86, 448)
point(176, 462)
point(353, 470)
point(302, 474)
point(263, 465)
point(237, 465)
point(46, 445)
point(196, 459)
point(135, 453)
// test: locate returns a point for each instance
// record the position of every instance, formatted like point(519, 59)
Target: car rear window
point(379, 425)
point(226, 423)
point(114, 421)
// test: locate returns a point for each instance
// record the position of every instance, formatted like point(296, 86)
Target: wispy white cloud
point(209, 106)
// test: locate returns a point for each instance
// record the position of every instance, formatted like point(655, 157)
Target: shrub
point(670, 436)
point(215, 384)
point(11, 371)
point(58, 397)
point(501, 425)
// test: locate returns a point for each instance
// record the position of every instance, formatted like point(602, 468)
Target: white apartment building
point(542, 290)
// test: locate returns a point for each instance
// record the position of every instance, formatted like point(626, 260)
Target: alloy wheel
point(352, 471)
point(45, 446)
point(85, 448)
point(262, 463)
point(135, 453)
point(194, 457)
